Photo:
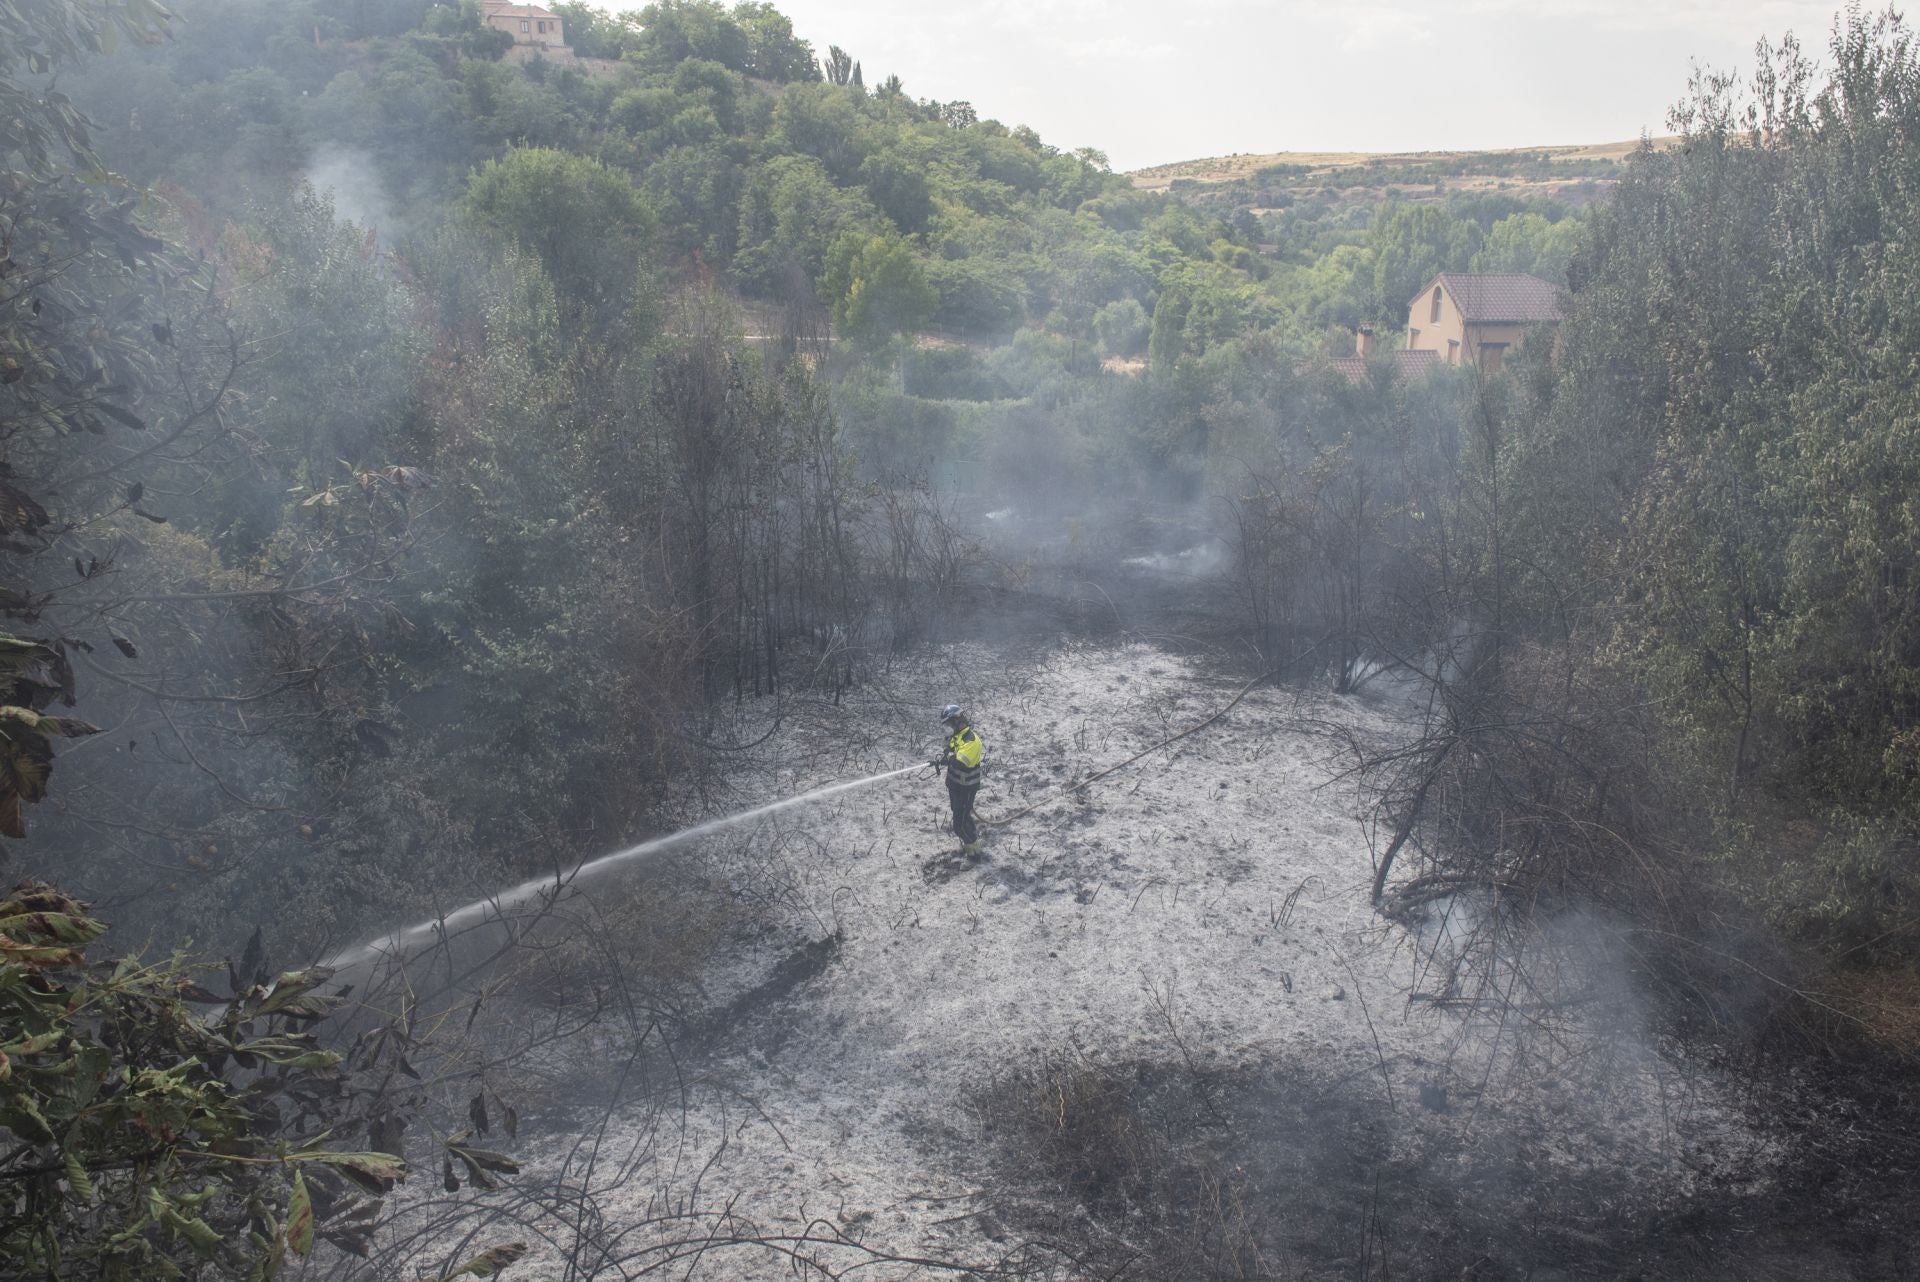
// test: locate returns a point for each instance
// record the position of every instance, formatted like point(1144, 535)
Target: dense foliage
point(152, 1143)
point(1665, 592)
point(1735, 377)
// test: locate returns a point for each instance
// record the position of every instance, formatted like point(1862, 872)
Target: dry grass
point(1226, 168)
point(1885, 1000)
point(1118, 1167)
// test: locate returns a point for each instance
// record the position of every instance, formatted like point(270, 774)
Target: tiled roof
point(1406, 364)
point(1513, 298)
point(506, 10)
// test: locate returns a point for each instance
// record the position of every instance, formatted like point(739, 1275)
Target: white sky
point(1151, 82)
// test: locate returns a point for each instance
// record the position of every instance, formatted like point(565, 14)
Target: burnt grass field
point(1159, 1031)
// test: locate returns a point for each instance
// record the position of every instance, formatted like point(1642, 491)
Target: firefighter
point(961, 761)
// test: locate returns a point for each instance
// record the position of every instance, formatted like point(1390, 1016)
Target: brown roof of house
point(1406, 364)
point(1511, 298)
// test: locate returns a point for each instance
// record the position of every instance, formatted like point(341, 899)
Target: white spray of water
point(402, 942)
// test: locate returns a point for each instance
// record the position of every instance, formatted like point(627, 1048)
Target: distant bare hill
point(1275, 179)
point(1326, 164)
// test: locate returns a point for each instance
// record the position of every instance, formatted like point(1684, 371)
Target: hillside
point(1325, 165)
point(1573, 174)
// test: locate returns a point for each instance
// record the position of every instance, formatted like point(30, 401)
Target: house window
point(543, 28)
point(1453, 351)
point(1491, 355)
point(1435, 318)
point(525, 26)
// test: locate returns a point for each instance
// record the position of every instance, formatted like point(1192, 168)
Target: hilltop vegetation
point(755, 164)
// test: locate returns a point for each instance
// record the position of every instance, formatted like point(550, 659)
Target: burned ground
point(1150, 1170)
point(1158, 1031)
point(1187, 943)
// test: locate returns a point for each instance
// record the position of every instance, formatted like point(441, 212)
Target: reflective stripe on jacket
point(964, 751)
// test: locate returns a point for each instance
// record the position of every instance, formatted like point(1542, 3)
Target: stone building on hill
point(528, 24)
point(1473, 319)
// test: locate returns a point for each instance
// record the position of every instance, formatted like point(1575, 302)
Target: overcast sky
point(1150, 82)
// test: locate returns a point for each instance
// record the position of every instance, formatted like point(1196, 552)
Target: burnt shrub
point(1122, 1158)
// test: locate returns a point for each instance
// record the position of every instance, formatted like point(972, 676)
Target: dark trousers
point(960, 796)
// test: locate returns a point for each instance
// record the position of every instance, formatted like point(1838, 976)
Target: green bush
point(951, 374)
point(145, 1141)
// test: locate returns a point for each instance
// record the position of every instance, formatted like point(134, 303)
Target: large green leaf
point(202, 1235)
point(300, 1217)
point(77, 1178)
point(22, 1115)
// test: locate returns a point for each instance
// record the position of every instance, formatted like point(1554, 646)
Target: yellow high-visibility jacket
point(964, 751)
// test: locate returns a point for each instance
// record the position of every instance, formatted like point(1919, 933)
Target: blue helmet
point(951, 712)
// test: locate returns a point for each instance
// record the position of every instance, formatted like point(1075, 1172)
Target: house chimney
point(1363, 341)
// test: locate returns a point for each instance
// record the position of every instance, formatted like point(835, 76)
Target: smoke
point(347, 176)
point(1202, 560)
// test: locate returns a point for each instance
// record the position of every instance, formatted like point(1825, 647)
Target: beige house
point(1468, 319)
point(528, 24)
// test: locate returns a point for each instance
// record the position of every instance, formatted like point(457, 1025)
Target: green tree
point(696, 81)
point(1123, 327)
point(1528, 242)
point(789, 216)
point(773, 51)
point(980, 295)
point(1166, 341)
point(462, 26)
point(584, 221)
point(595, 33)
point(877, 288)
point(897, 185)
point(1338, 289)
point(696, 190)
point(825, 122)
point(675, 30)
point(69, 358)
point(839, 66)
point(1410, 245)
point(1742, 534)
